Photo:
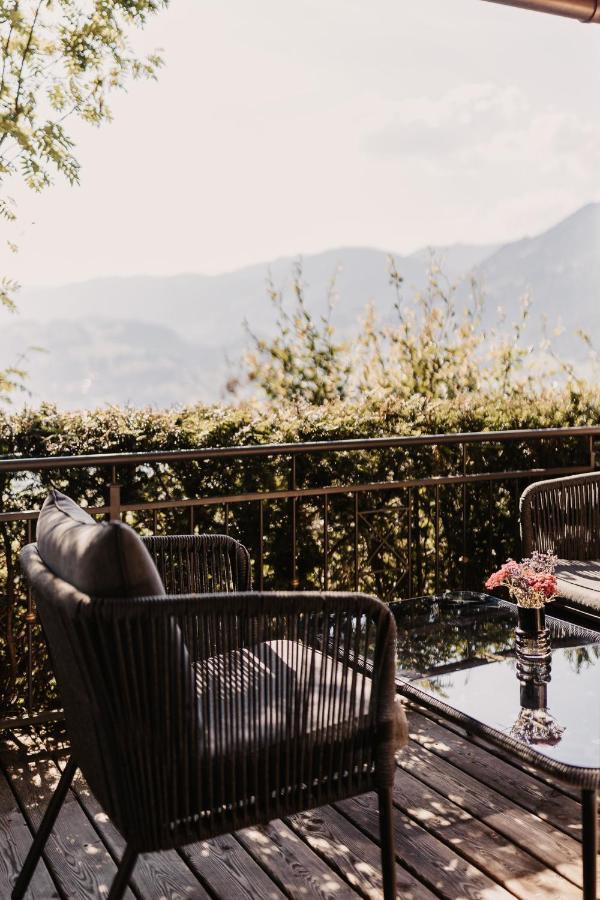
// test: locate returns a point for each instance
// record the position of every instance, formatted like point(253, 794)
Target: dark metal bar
point(388, 851)
point(126, 867)
point(54, 715)
point(293, 502)
point(516, 512)
point(326, 543)
point(464, 516)
point(192, 526)
point(437, 538)
point(30, 619)
point(261, 541)
point(409, 541)
point(15, 464)
point(43, 832)
point(417, 542)
point(589, 825)
point(114, 501)
point(356, 540)
point(490, 515)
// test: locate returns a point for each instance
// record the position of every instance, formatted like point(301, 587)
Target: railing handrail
point(33, 464)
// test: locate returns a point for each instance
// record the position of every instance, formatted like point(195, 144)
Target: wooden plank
point(446, 873)
point(80, 863)
point(518, 825)
point(352, 854)
point(162, 874)
point(518, 871)
point(229, 870)
point(541, 798)
point(15, 840)
point(288, 861)
point(530, 771)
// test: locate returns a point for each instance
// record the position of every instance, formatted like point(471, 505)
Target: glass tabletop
point(459, 649)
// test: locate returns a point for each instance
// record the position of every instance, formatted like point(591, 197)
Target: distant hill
point(560, 267)
point(164, 341)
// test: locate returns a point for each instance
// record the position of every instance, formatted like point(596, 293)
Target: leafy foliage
point(443, 343)
point(60, 59)
point(304, 362)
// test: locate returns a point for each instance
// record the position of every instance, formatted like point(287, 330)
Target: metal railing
point(436, 513)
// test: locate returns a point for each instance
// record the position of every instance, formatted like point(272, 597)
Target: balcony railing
point(393, 516)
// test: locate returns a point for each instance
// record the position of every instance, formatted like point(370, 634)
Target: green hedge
point(384, 548)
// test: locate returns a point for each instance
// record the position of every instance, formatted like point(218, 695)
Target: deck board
point(164, 874)
point(503, 861)
point(468, 824)
point(15, 838)
point(547, 800)
point(230, 871)
point(533, 834)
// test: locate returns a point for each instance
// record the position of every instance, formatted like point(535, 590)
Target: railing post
point(114, 498)
point(294, 507)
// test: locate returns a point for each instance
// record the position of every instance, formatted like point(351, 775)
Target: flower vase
point(532, 634)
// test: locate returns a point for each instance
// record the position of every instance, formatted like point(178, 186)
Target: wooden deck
point(469, 824)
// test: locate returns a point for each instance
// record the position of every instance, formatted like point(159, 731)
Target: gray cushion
point(291, 689)
point(105, 559)
point(579, 582)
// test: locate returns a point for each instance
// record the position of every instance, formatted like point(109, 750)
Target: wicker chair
point(200, 563)
point(562, 516)
point(191, 717)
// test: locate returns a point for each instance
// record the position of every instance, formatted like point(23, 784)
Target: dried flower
point(537, 726)
point(531, 583)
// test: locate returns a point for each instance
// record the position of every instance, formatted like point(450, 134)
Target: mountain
point(90, 362)
point(207, 308)
point(164, 341)
point(560, 268)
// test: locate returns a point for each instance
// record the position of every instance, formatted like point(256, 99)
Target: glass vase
point(532, 634)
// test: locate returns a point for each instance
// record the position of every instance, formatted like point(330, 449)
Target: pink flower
point(502, 576)
point(531, 582)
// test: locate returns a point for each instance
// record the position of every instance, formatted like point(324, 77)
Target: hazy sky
point(282, 127)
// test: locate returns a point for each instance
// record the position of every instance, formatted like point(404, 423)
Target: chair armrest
point(200, 563)
point(348, 627)
point(275, 714)
point(562, 516)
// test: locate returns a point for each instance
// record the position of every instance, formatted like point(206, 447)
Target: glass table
point(457, 651)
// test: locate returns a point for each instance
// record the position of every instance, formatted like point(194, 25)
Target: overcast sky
point(280, 127)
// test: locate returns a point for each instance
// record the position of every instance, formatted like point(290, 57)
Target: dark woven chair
point(195, 715)
point(562, 516)
point(200, 563)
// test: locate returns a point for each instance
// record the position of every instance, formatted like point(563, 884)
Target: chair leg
point(119, 885)
point(46, 825)
point(388, 852)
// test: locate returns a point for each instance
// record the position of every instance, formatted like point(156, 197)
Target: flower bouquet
point(531, 584)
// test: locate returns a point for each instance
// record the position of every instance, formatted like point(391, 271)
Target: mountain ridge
point(196, 320)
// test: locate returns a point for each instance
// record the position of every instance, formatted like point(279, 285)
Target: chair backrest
point(562, 516)
point(127, 686)
point(200, 563)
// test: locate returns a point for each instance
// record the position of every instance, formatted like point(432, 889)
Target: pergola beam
point(584, 10)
